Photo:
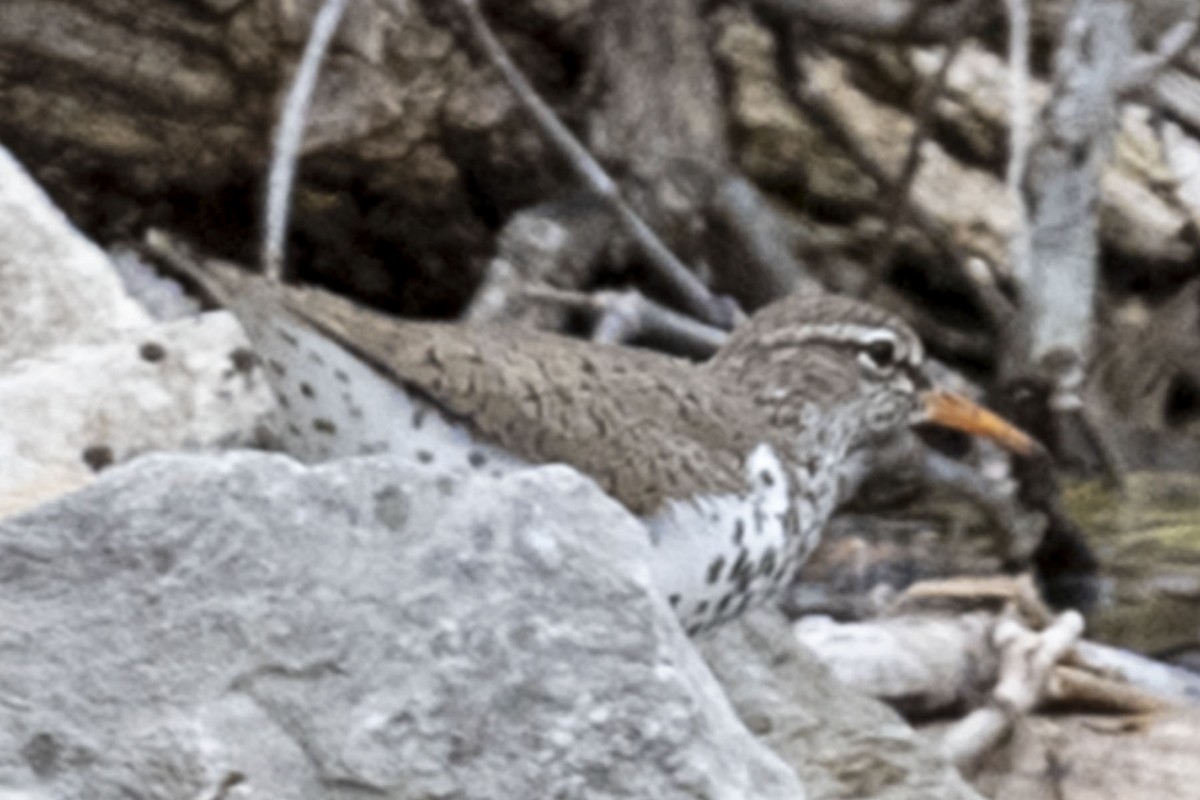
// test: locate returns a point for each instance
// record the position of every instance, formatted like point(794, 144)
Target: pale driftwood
point(922, 665)
point(556, 245)
point(937, 653)
point(1060, 188)
point(1020, 125)
point(1027, 661)
point(1171, 45)
point(628, 315)
point(1179, 686)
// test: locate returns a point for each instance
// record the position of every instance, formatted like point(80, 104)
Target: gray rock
point(245, 627)
point(840, 742)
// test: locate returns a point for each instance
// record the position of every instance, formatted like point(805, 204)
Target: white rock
point(181, 385)
point(56, 286)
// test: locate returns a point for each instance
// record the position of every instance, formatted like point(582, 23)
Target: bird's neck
point(824, 460)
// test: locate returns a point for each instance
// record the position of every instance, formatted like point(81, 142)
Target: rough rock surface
point(841, 743)
point(245, 627)
point(78, 408)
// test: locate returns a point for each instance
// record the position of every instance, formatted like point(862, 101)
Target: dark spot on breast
point(739, 532)
point(694, 628)
point(702, 607)
point(315, 358)
point(476, 459)
point(743, 604)
point(283, 401)
point(356, 412)
point(307, 390)
point(714, 570)
point(341, 375)
point(418, 419)
point(424, 456)
point(741, 566)
point(322, 425)
point(98, 456)
point(243, 359)
point(293, 429)
point(767, 478)
point(152, 352)
point(766, 564)
point(725, 601)
point(287, 337)
point(674, 600)
point(276, 367)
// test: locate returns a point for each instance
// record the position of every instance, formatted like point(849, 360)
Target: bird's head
point(849, 368)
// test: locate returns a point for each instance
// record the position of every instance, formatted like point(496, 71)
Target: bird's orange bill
point(955, 411)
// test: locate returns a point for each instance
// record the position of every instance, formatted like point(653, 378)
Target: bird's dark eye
point(882, 353)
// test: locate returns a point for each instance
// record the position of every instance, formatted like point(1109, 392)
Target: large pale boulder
point(242, 626)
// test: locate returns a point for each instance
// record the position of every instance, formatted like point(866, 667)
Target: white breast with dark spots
point(716, 556)
point(332, 405)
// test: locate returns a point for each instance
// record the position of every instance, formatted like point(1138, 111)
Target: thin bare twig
point(758, 229)
point(623, 316)
point(692, 293)
point(290, 133)
point(1020, 134)
point(1171, 45)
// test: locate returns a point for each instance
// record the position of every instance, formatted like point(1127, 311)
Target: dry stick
point(1054, 250)
point(760, 231)
point(1020, 114)
point(898, 207)
point(695, 297)
point(290, 134)
point(625, 315)
point(1173, 44)
point(1027, 660)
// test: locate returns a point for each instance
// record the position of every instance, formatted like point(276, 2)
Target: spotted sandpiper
point(734, 465)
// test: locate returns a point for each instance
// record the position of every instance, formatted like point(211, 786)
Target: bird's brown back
point(646, 427)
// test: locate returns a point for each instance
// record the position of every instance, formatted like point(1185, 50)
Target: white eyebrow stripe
point(916, 352)
point(852, 333)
